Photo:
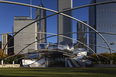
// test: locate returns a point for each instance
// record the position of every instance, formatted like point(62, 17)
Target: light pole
point(111, 61)
point(31, 9)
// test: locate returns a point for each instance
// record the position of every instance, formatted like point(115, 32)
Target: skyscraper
point(103, 19)
point(82, 35)
point(9, 48)
point(64, 23)
point(26, 36)
point(40, 13)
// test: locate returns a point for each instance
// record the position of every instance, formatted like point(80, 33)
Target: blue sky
point(9, 11)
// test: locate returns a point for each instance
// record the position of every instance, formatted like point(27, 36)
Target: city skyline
point(60, 52)
point(50, 24)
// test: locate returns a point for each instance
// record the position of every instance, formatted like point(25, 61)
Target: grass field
point(57, 72)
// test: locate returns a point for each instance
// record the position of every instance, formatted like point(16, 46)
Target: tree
point(1, 54)
point(103, 59)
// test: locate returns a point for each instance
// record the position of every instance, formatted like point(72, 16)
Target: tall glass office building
point(82, 35)
point(40, 13)
point(103, 19)
point(64, 23)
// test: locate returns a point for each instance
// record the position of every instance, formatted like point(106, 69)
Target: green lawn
point(57, 72)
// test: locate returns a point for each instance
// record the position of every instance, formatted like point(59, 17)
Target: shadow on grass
point(97, 71)
point(57, 72)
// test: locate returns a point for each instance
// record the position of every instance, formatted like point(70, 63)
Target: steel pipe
point(64, 15)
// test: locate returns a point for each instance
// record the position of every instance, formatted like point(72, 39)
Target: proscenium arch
point(44, 38)
point(50, 36)
point(65, 37)
point(87, 56)
point(60, 36)
point(23, 57)
point(69, 33)
point(36, 60)
point(61, 14)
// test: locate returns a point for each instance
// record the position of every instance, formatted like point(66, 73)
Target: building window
point(112, 25)
point(98, 25)
point(97, 9)
point(115, 25)
point(112, 10)
point(100, 9)
point(106, 9)
point(103, 25)
point(100, 42)
point(109, 9)
point(109, 25)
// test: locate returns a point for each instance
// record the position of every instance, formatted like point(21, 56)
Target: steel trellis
point(64, 15)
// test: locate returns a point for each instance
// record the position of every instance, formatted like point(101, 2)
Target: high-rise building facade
point(40, 13)
point(103, 19)
point(81, 34)
point(64, 24)
point(26, 36)
point(9, 47)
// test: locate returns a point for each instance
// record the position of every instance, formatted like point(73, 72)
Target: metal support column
point(66, 62)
